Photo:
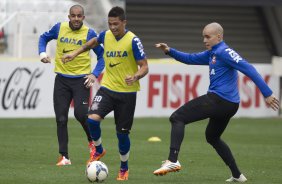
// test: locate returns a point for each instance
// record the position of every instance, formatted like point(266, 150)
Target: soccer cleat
point(92, 148)
point(96, 156)
point(241, 179)
point(122, 175)
point(167, 167)
point(63, 161)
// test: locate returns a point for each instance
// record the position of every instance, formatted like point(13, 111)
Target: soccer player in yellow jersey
point(73, 80)
point(125, 64)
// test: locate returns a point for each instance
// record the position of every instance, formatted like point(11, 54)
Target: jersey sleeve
point(48, 36)
point(234, 60)
point(138, 49)
point(201, 58)
point(101, 37)
point(99, 67)
point(91, 34)
point(99, 51)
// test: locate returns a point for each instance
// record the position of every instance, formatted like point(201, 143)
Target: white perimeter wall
point(26, 89)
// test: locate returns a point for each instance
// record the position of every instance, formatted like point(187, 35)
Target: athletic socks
point(124, 147)
point(95, 132)
point(124, 165)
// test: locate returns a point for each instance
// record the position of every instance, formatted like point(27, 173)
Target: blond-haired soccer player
point(125, 63)
point(73, 80)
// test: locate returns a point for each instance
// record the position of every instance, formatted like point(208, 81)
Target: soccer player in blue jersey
point(73, 80)
point(125, 64)
point(219, 104)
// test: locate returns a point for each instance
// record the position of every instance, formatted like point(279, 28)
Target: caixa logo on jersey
point(19, 89)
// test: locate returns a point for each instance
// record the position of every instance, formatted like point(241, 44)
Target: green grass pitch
point(28, 152)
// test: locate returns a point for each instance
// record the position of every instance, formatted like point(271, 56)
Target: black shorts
point(123, 105)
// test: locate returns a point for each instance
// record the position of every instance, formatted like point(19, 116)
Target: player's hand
point(163, 46)
point(273, 102)
point(46, 60)
point(130, 79)
point(67, 58)
point(90, 80)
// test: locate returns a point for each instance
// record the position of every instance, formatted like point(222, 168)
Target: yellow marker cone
point(154, 139)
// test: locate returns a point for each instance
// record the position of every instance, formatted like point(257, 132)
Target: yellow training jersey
point(68, 41)
point(119, 62)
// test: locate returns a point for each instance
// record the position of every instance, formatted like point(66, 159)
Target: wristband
point(42, 55)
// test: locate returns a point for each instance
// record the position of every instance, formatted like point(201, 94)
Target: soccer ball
point(96, 171)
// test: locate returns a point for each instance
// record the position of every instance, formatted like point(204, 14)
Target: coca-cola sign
point(26, 90)
point(20, 89)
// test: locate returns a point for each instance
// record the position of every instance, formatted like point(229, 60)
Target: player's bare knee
point(95, 117)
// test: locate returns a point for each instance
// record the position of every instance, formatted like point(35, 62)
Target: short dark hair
point(117, 12)
point(77, 6)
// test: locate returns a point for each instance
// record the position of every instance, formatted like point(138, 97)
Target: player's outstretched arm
point(273, 102)
point(87, 46)
point(163, 46)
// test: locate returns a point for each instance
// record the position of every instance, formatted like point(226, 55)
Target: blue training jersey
point(53, 34)
point(223, 65)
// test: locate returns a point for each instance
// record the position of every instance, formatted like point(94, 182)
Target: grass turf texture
point(28, 152)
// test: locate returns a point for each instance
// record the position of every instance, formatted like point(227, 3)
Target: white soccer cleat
point(241, 179)
point(63, 161)
point(167, 167)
